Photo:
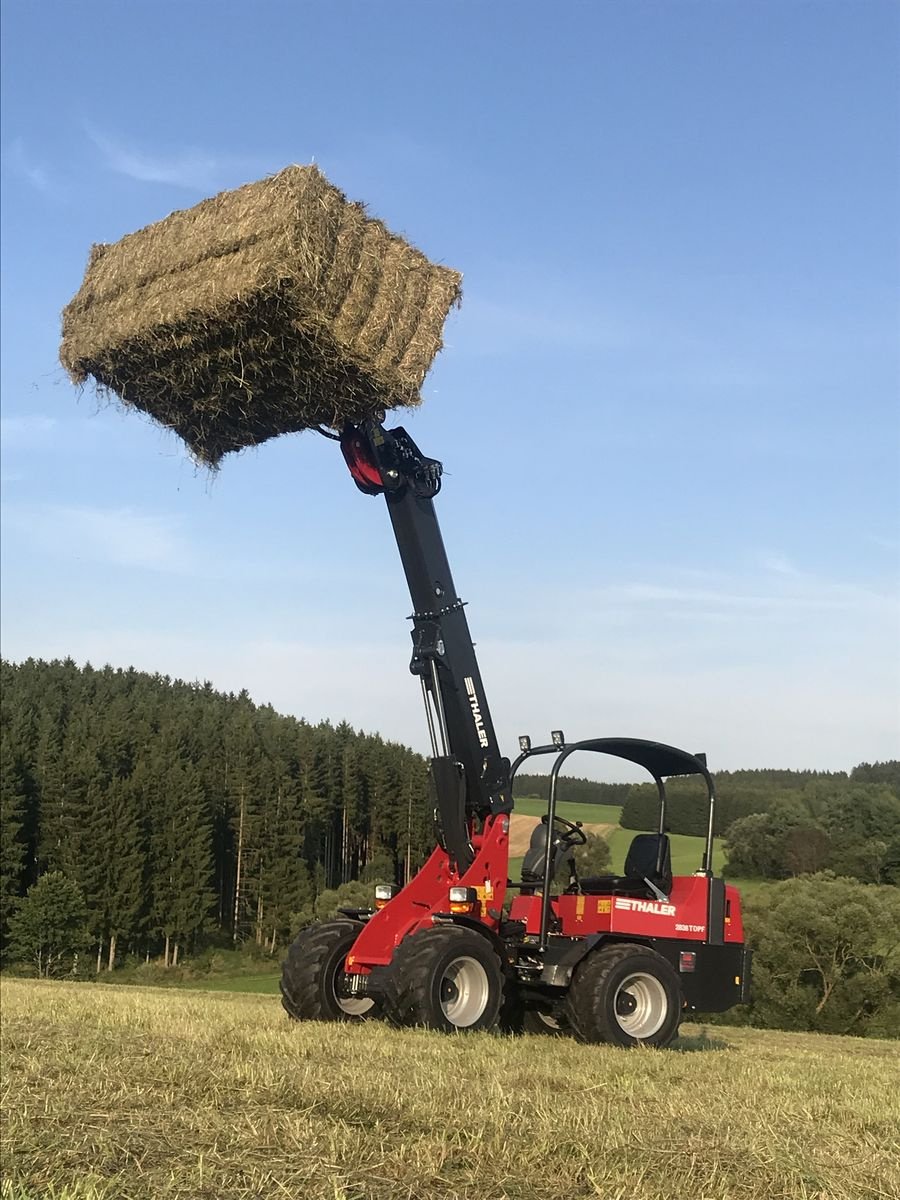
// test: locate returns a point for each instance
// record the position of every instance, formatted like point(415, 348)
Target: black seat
point(533, 862)
point(642, 876)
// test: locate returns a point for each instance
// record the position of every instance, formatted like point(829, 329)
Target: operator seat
point(641, 877)
point(533, 862)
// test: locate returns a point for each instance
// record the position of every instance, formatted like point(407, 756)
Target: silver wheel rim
point(640, 1005)
point(548, 1020)
point(465, 991)
point(348, 1005)
point(354, 1008)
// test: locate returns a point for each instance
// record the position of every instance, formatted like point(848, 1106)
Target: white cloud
point(121, 537)
point(741, 715)
point(798, 595)
point(191, 167)
point(758, 669)
point(779, 564)
point(20, 163)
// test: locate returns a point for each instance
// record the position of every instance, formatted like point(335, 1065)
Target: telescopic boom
point(471, 777)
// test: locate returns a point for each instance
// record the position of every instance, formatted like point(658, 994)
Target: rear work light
point(463, 900)
point(385, 892)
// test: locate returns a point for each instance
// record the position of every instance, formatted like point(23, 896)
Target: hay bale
point(265, 310)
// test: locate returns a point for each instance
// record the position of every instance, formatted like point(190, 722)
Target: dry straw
point(270, 309)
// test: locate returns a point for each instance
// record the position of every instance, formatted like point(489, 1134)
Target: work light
point(463, 900)
point(385, 892)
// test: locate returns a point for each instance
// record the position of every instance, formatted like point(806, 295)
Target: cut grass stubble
point(135, 1094)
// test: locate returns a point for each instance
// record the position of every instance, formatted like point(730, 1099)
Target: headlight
point(385, 892)
point(463, 900)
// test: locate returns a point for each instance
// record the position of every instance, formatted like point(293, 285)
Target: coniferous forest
point(180, 818)
point(186, 815)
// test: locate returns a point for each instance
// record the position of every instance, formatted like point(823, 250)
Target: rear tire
point(627, 995)
point(446, 978)
point(312, 970)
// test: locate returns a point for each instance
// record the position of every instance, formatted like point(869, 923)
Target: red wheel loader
point(613, 958)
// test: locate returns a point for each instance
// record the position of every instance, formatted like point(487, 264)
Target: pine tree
point(122, 890)
point(12, 843)
point(180, 861)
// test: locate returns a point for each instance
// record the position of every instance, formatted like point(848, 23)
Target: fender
point(479, 927)
point(559, 973)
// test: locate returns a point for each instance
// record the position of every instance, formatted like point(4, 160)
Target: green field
point(593, 814)
point(687, 852)
point(144, 1094)
point(259, 984)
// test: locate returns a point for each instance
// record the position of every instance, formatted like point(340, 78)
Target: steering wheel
point(574, 834)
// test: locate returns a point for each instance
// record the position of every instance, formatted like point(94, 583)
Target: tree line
point(826, 957)
point(184, 815)
point(571, 790)
point(778, 824)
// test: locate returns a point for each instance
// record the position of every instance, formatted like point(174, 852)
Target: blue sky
point(668, 408)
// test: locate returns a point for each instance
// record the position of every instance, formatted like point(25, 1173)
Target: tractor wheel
point(624, 994)
point(312, 969)
point(446, 978)
point(538, 1021)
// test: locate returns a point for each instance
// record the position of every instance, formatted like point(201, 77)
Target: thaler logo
point(646, 906)
point(476, 711)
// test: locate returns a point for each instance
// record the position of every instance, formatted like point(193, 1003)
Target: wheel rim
point(549, 1021)
point(354, 1008)
point(347, 1004)
point(465, 991)
point(640, 1005)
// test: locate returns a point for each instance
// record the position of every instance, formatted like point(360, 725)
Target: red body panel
point(734, 925)
point(428, 893)
point(684, 916)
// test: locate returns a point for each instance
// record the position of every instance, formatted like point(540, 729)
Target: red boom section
point(428, 894)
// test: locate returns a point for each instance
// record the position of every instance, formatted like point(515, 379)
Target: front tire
point(312, 970)
point(627, 995)
point(446, 978)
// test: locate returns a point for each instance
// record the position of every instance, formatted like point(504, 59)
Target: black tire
point(446, 978)
point(624, 994)
point(311, 970)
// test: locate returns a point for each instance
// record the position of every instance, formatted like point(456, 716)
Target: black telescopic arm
point(467, 761)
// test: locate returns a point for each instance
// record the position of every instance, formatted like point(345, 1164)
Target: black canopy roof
point(656, 757)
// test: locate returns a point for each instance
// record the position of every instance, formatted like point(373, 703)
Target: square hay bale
point(269, 309)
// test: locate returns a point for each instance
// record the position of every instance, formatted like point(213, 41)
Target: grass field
point(133, 1094)
point(591, 814)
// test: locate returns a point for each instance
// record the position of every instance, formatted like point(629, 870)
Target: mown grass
point(132, 1094)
